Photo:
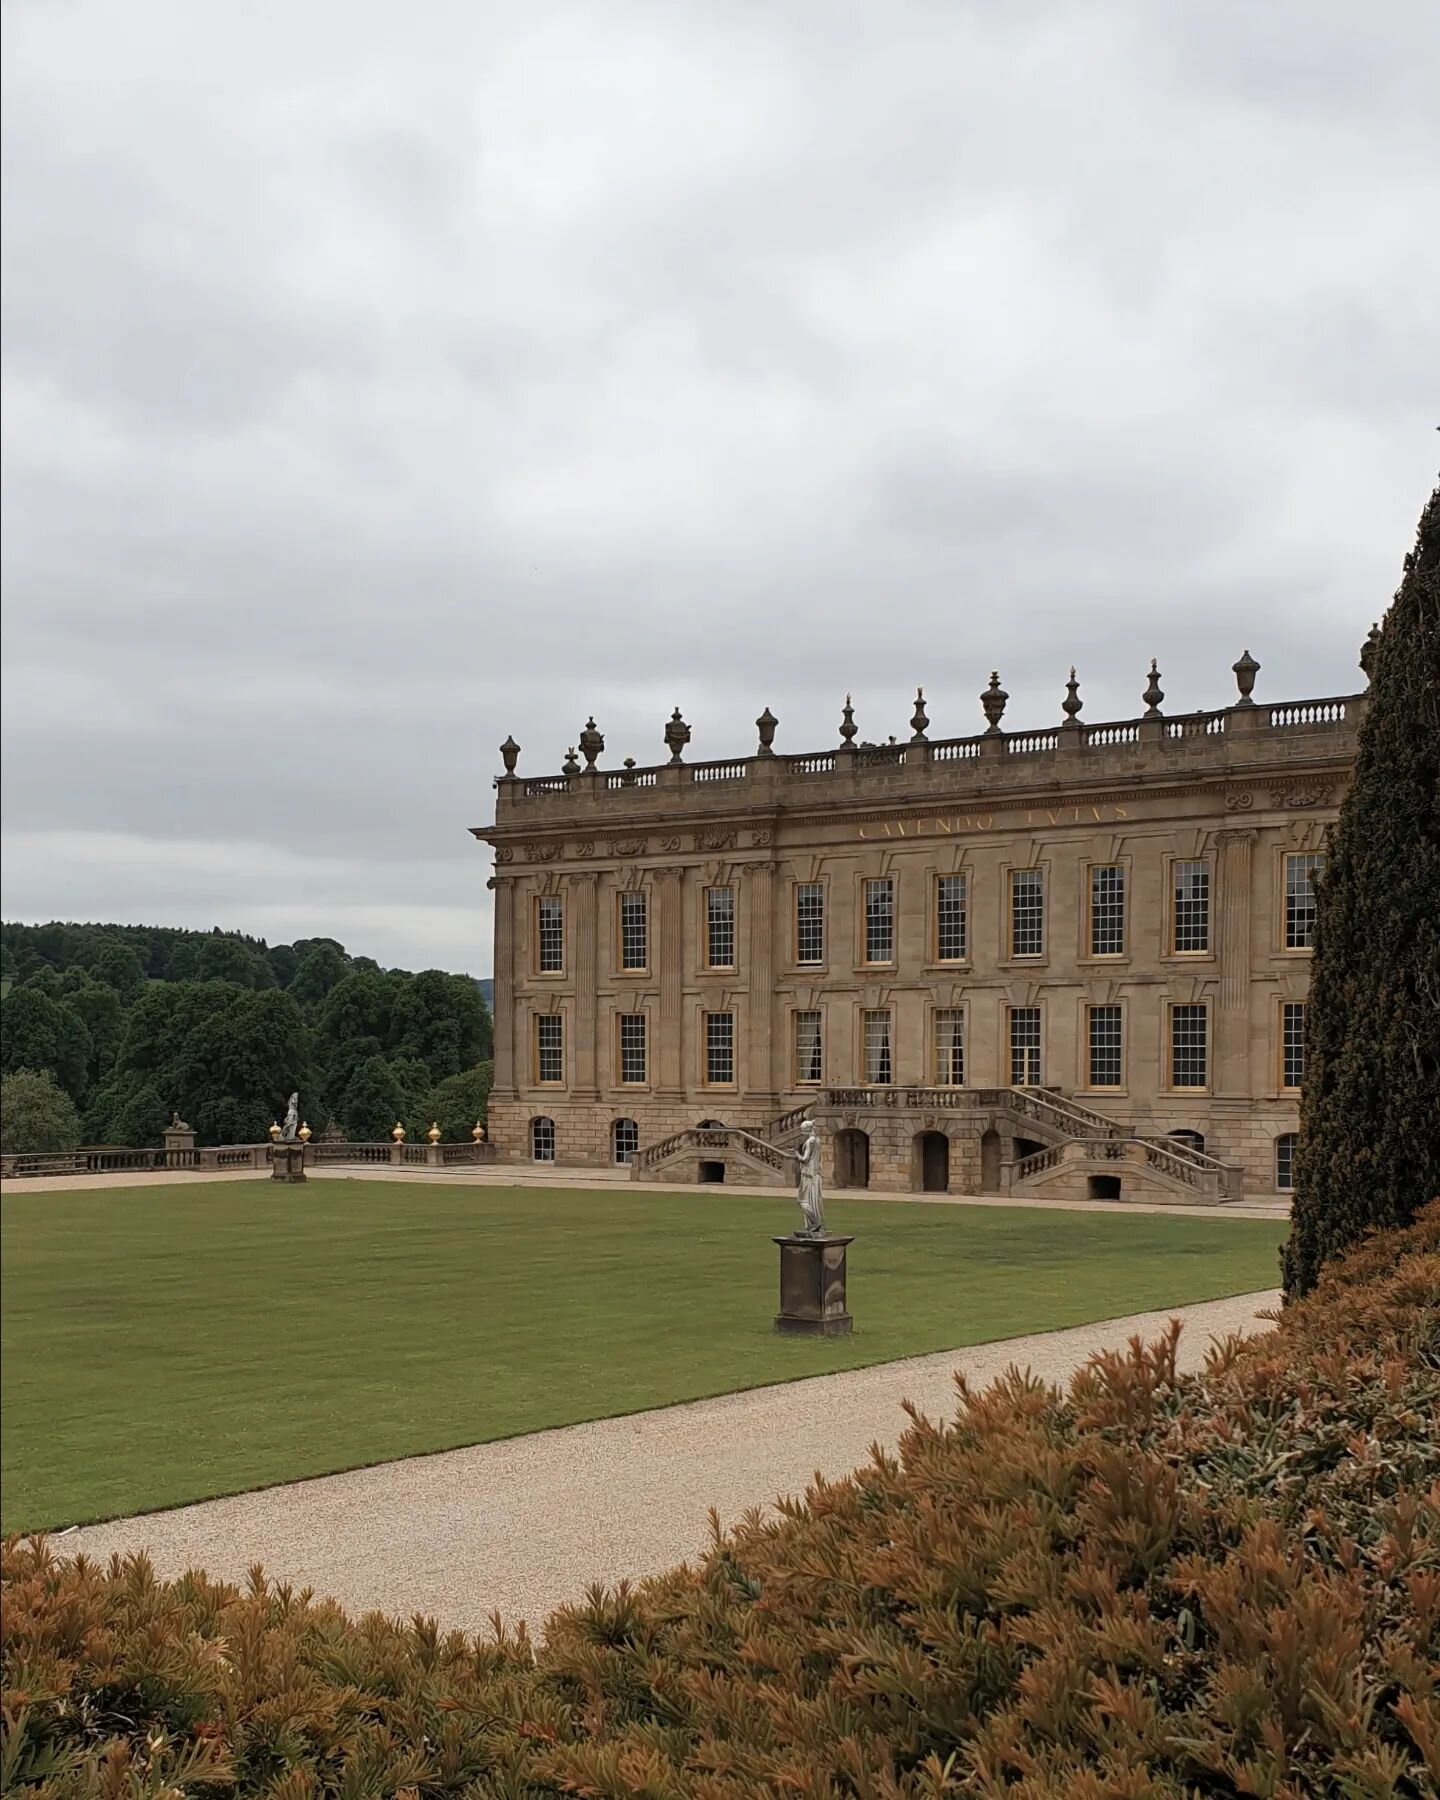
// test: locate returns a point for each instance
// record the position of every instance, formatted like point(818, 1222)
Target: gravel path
point(526, 1524)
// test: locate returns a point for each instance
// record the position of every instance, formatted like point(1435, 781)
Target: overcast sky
point(380, 380)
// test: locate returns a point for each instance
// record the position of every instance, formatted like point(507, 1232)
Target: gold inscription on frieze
point(952, 823)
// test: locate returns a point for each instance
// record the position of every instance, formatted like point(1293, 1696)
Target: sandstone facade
point(886, 933)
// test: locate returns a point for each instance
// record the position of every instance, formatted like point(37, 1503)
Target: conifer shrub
point(1153, 1586)
point(1369, 1149)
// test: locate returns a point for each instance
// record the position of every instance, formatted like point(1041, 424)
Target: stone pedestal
point(287, 1162)
point(812, 1287)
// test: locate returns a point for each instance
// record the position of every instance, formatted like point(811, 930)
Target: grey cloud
point(375, 388)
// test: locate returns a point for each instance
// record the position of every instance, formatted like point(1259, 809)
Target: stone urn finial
point(398, 1133)
point(848, 727)
point(765, 725)
point(1154, 693)
point(304, 1133)
point(628, 778)
point(510, 754)
point(571, 764)
point(1245, 672)
point(1367, 653)
point(478, 1134)
point(677, 736)
point(993, 700)
point(592, 743)
point(433, 1134)
point(1072, 703)
point(919, 719)
point(274, 1132)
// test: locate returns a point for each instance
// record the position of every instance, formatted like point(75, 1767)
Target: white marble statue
point(291, 1128)
point(807, 1181)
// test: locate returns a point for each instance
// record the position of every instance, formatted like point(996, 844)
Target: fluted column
point(583, 886)
point(760, 895)
point(669, 890)
point(1232, 1027)
point(503, 888)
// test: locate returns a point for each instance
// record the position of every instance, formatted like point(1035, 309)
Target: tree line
point(106, 1030)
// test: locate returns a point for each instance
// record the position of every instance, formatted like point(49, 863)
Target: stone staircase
point(741, 1155)
point(1160, 1166)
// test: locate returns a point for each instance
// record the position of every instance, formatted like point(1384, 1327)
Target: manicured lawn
point(175, 1342)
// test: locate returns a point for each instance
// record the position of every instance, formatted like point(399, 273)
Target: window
point(719, 1045)
point(550, 934)
point(1301, 873)
point(810, 922)
point(549, 1047)
point(1189, 1046)
point(880, 920)
point(1107, 1047)
point(720, 928)
point(879, 1069)
point(1025, 1046)
point(1292, 1044)
point(1027, 912)
point(1107, 909)
point(809, 1055)
point(949, 1046)
point(634, 933)
point(542, 1140)
point(1190, 922)
point(632, 1047)
point(951, 919)
point(1285, 1162)
point(624, 1140)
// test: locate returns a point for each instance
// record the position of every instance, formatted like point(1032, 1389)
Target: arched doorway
point(933, 1156)
point(1192, 1140)
point(852, 1159)
point(990, 1163)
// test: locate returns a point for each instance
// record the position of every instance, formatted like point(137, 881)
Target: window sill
point(718, 969)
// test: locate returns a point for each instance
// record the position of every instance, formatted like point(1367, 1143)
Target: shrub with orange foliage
point(1155, 1586)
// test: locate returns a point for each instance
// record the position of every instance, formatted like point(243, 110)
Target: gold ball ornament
point(433, 1134)
point(274, 1133)
point(398, 1133)
point(478, 1133)
point(303, 1134)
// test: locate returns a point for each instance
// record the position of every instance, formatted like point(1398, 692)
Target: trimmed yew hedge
point(1158, 1586)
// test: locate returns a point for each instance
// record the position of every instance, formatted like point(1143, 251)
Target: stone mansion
point(1073, 960)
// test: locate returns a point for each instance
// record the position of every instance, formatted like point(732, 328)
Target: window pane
point(550, 918)
point(1107, 1060)
point(879, 1070)
point(1285, 1162)
point(810, 922)
point(1292, 1050)
point(625, 1138)
point(880, 920)
point(720, 1044)
point(720, 927)
point(1107, 910)
point(1192, 906)
point(632, 1046)
point(1301, 873)
point(550, 1047)
point(542, 1140)
point(951, 918)
point(1189, 1039)
point(950, 1047)
point(1025, 1046)
point(634, 945)
point(1027, 912)
point(809, 1058)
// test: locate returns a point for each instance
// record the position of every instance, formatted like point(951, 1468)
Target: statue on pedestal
point(290, 1131)
point(807, 1182)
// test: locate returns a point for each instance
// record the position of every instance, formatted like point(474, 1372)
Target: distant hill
point(487, 993)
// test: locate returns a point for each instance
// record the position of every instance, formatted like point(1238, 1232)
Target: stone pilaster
point(760, 894)
point(669, 891)
point(583, 886)
point(503, 887)
point(1232, 1027)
